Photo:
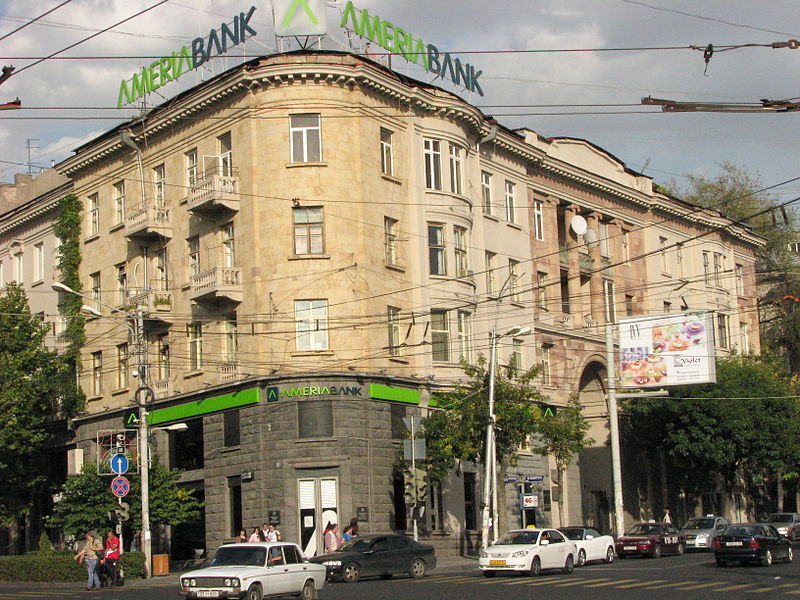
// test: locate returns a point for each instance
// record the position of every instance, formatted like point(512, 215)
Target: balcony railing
point(214, 190)
point(229, 371)
point(148, 220)
point(217, 284)
point(157, 303)
point(162, 388)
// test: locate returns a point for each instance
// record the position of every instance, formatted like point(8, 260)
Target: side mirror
point(544, 542)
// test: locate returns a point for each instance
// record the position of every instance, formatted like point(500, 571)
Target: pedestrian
point(257, 535)
point(347, 535)
point(273, 534)
point(331, 538)
point(110, 560)
point(87, 556)
point(265, 530)
point(667, 517)
point(354, 527)
point(242, 537)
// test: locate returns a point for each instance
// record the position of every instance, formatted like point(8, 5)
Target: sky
point(622, 51)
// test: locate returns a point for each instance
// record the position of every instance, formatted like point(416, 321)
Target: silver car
point(787, 524)
point(700, 531)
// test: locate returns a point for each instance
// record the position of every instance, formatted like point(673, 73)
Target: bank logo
point(272, 394)
point(299, 17)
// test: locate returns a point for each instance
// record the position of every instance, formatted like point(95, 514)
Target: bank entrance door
point(319, 505)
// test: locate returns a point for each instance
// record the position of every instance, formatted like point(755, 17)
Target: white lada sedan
point(529, 550)
point(254, 571)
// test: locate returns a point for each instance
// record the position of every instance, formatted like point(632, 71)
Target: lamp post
point(490, 478)
point(142, 395)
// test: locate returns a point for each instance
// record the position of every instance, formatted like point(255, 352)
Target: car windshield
point(743, 530)
point(239, 556)
point(517, 537)
point(699, 524)
point(356, 545)
point(573, 534)
point(645, 529)
point(780, 518)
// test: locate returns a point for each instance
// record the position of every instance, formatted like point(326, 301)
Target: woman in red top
point(111, 559)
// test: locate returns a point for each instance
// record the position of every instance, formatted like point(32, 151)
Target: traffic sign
point(120, 486)
point(119, 464)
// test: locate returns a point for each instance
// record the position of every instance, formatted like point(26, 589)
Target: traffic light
point(421, 484)
point(409, 486)
point(123, 511)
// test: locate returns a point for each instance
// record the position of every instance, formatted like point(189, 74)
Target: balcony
point(162, 388)
point(229, 371)
point(149, 221)
point(585, 262)
point(219, 283)
point(214, 191)
point(157, 303)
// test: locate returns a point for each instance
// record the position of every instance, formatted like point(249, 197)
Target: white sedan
point(253, 571)
point(591, 545)
point(530, 551)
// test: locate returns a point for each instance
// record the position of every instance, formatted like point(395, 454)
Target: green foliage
point(45, 545)
point(563, 435)
point(37, 566)
point(27, 393)
point(132, 563)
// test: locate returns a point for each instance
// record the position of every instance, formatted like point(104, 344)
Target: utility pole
point(143, 394)
point(613, 430)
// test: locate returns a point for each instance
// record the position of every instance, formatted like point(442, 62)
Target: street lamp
point(490, 478)
point(141, 396)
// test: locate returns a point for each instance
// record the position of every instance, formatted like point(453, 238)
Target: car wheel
point(569, 566)
point(350, 573)
point(254, 592)
point(681, 549)
point(657, 551)
point(489, 573)
point(789, 554)
point(610, 555)
point(309, 592)
point(386, 575)
point(721, 562)
point(767, 560)
point(417, 569)
point(581, 558)
point(536, 567)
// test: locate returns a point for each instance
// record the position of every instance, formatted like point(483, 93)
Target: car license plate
point(629, 548)
point(733, 543)
point(208, 594)
point(497, 563)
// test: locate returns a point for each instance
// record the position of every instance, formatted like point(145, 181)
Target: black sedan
point(382, 555)
point(751, 542)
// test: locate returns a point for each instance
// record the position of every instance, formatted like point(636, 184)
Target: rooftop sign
point(169, 68)
point(299, 17)
point(399, 41)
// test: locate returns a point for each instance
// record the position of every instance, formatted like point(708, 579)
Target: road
point(689, 577)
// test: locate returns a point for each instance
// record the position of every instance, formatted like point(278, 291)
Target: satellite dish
point(590, 237)
point(578, 224)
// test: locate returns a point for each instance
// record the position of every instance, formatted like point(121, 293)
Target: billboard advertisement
point(671, 349)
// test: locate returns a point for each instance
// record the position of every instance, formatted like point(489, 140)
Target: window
point(744, 338)
point(464, 336)
point(187, 447)
point(119, 202)
point(470, 502)
point(605, 249)
point(455, 169)
point(190, 162)
point(719, 267)
point(541, 290)
point(122, 285)
point(229, 245)
point(433, 164)
point(440, 335)
point(315, 418)
point(722, 331)
point(2, 274)
point(97, 373)
point(38, 261)
point(515, 361)
point(122, 366)
point(486, 192)
point(739, 273)
point(231, 329)
point(96, 295)
point(397, 412)
point(387, 162)
point(162, 271)
point(19, 267)
point(436, 250)
point(159, 185)
point(491, 285)
point(231, 428)
point(564, 285)
point(393, 321)
point(510, 205)
point(679, 259)
point(547, 374)
point(194, 255)
point(662, 245)
point(306, 137)
point(608, 301)
point(225, 147)
point(437, 511)
point(94, 214)
point(234, 505)
point(308, 231)
point(162, 342)
point(538, 220)
point(706, 275)
point(460, 249)
point(513, 275)
point(626, 247)
point(390, 240)
point(667, 307)
point(311, 318)
point(194, 332)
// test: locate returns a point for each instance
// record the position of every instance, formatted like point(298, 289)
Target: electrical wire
point(34, 20)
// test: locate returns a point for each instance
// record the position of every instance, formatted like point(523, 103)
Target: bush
point(38, 566)
point(133, 565)
point(45, 545)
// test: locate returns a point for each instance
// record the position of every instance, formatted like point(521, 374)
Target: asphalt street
point(691, 576)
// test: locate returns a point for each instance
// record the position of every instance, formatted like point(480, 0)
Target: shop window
point(187, 447)
point(231, 428)
point(315, 418)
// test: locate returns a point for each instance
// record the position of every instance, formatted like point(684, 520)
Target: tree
point(562, 436)
point(458, 432)
point(27, 397)
point(86, 501)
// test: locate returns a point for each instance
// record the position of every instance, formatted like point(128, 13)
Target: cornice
point(30, 211)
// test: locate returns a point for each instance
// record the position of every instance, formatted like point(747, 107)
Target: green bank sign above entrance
point(397, 40)
point(169, 68)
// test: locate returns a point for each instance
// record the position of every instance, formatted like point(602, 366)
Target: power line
point(32, 21)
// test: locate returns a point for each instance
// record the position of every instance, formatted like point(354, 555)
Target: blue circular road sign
point(119, 464)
